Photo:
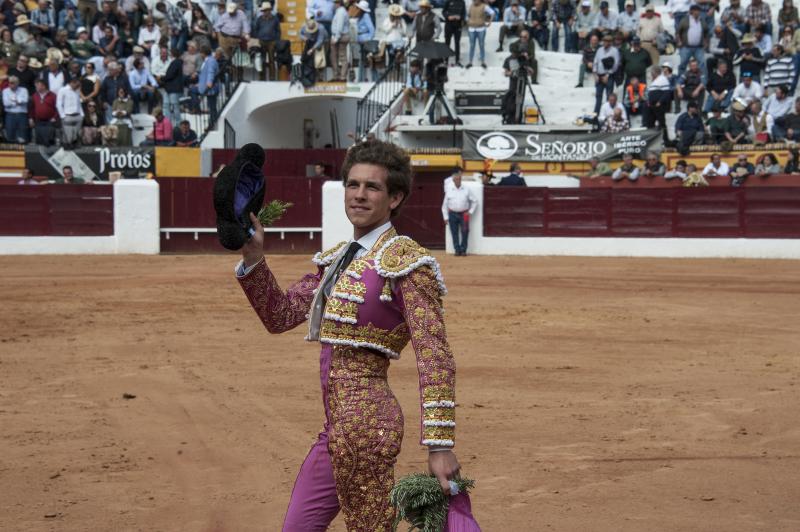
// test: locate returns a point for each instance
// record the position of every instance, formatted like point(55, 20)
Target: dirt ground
point(593, 395)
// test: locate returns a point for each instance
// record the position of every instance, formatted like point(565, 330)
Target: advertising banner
point(92, 162)
point(527, 146)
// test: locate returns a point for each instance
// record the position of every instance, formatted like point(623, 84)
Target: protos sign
point(124, 160)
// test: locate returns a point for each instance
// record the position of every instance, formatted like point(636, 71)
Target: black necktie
point(347, 258)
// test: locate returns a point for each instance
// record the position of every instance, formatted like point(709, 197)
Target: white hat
point(80, 30)
point(231, 7)
point(666, 64)
point(629, 3)
point(363, 5)
point(586, 3)
point(266, 6)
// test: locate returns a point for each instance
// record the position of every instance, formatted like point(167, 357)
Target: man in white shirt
point(748, 90)
point(459, 203)
point(608, 108)
point(70, 110)
point(54, 76)
point(15, 103)
point(717, 167)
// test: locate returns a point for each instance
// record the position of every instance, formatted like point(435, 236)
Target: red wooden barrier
point(288, 162)
point(56, 210)
point(780, 180)
point(768, 212)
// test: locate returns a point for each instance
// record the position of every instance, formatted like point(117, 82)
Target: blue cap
point(747, 74)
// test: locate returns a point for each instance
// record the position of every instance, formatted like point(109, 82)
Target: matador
point(367, 299)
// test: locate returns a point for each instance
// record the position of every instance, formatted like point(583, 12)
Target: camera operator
point(525, 51)
point(515, 68)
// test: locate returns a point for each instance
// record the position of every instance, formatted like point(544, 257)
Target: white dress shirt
point(68, 102)
point(710, 169)
point(458, 199)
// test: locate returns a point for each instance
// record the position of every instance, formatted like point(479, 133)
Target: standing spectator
point(178, 28)
point(587, 61)
point(207, 85)
point(616, 123)
point(513, 22)
point(627, 170)
point(231, 27)
point(634, 99)
point(459, 203)
point(314, 37)
point(650, 27)
point(689, 129)
point(415, 88)
point(768, 166)
point(741, 170)
point(537, 23)
point(748, 90)
point(761, 123)
point(721, 45)
point(192, 61)
point(109, 88)
point(787, 16)
point(267, 30)
point(143, 86)
point(606, 19)
point(202, 28)
point(564, 17)
point(691, 37)
point(426, 26)
point(44, 115)
point(90, 84)
point(736, 125)
point(606, 64)
point(173, 83)
point(635, 61)
point(628, 21)
point(780, 69)
point(93, 120)
point(15, 106)
point(716, 168)
point(585, 23)
point(161, 134)
point(678, 9)
point(514, 179)
point(787, 127)
point(44, 19)
point(749, 58)
point(184, 136)
point(365, 33)
point(53, 76)
point(24, 74)
point(479, 17)
point(758, 13)
point(70, 111)
point(454, 13)
point(691, 86)
point(652, 166)
point(734, 17)
point(160, 63)
point(149, 35)
point(721, 84)
point(323, 13)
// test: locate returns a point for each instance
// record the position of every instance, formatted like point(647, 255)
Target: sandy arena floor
point(594, 395)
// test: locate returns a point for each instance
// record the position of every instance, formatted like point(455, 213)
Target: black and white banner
point(511, 145)
point(90, 163)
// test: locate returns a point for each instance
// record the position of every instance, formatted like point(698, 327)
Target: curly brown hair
point(390, 156)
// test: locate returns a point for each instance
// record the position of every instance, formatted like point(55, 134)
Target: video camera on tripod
point(436, 74)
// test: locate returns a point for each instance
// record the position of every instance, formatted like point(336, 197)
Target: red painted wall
point(768, 212)
point(56, 210)
point(287, 162)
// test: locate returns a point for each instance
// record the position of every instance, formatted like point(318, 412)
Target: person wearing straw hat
point(231, 27)
point(314, 36)
point(365, 33)
point(749, 58)
point(22, 33)
point(340, 41)
point(426, 25)
point(267, 30)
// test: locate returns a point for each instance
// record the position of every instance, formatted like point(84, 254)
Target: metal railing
point(229, 78)
point(381, 95)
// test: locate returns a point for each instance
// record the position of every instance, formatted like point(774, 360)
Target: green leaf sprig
point(419, 500)
point(272, 212)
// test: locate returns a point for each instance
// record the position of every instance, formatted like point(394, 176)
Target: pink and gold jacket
point(385, 298)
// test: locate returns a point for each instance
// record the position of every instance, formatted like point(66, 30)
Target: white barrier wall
point(335, 225)
point(136, 227)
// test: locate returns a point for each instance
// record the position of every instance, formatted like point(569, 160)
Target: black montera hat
point(239, 190)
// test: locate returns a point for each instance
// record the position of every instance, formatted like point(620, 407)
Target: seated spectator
point(15, 106)
point(761, 124)
point(715, 126)
point(416, 87)
point(68, 177)
point(161, 134)
point(741, 170)
point(184, 136)
point(109, 43)
point(689, 129)
point(716, 168)
point(634, 98)
point(121, 112)
point(83, 48)
point(37, 47)
point(749, 58)
point(767, 166)
point(22, 33)
point(62, 44)
point(44, 115)
point(780, 68)
point(652, 166)
point(93, 120)
point(694, 178)
point(691, 86)
point(748, 90)
point(109, 88)
point(70, 19)
point(28, 178)
point(587, 61)
point(616, 123)
point(143, 86)
point(138, 53)
point(596, 170)
point(763, 40)
point(736, 125)
point(787, 16)
point(679, 172)
point(628, 24)
point(721, 84)
point(537, 24)
point(514, 179)
point(513, 22)
point(606, 20)
point(8, 48)
point(778, 103)
point(70, 110)
point(788, 126)
point(628, 170)
point(722, 45)
point(149, 34)
point(608, 108)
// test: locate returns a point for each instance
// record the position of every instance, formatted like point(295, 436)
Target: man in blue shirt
point(267, 30)
point(365, 29)
point(207, 84)
point(415, 87)
point(143, 86)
